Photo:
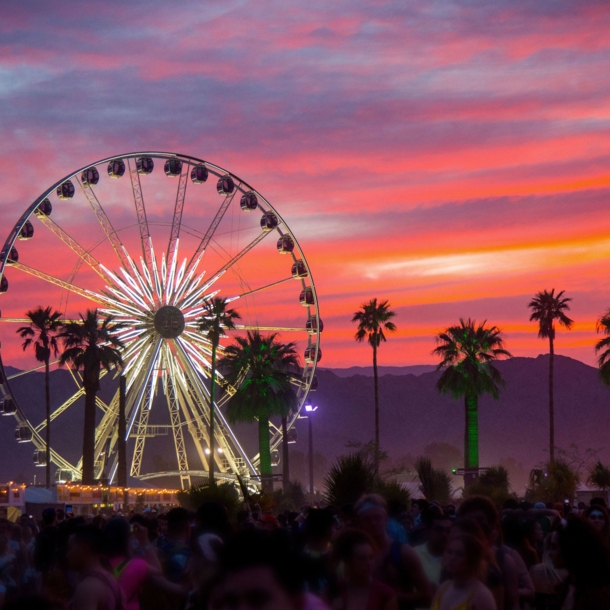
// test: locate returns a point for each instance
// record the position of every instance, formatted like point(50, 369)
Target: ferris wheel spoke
point(278, 329)
point(88, 294)
point(173, 406)
point(245, 294)
point(109, 231)
point(223, 433)
point(55, 414)
point(191, 295)
point(81, 252)
point(138, 199)
point(36, 368)
point(209, 234)
point(172, 246)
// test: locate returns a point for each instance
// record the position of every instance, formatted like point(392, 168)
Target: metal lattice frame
point(133, 294)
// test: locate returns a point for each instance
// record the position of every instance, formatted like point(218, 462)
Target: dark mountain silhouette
point(367, 371)
point(413, 415)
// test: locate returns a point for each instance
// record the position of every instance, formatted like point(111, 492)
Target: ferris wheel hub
point(169, 322)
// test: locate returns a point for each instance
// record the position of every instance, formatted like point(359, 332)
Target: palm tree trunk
point(88, 475)
point(264, 451)
point(285, 454)
point(48, 406)
point(551, 405)
point(471, 436)
point(122, 443)
point(212, 460)
point(376, 408)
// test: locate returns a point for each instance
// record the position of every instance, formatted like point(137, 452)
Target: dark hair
point(263, 548)
point(585, 554)
point(600, 509)
point(433, 513)
point(90, 536)
point(513, 531)
point(212, 517)
point(467, 525)
point(116, 537)
point(177, 518)
point(346, 542)
point(599, 501)
point(474, 551)
point(480, 504)
point(421, 503)
point(319, 522)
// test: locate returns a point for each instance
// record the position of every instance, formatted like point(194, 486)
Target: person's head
point(396, 508)
point(49, 517)
point(354, 549)
point(598, 501)
point(372, 515)
point(178, 524)
point(319, 527)
point(116, 537)
point(259, 572)
point(467, 525)
point(598, 518)
point(85, 547)
point(513, 531)
point(585, 554)
point(418, 507)
point(438, 526)
point(5, 527)
point(162, 523)
point(482, 510)
point(463, 557)
point(212, 517)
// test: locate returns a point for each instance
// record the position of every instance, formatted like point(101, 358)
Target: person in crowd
point(174, 553)
point(97, 588)
point(318, 529)
point(549, 575)
point(258, 571)
point(463, 561)
point(6, 530)
point(597, 517)
point(417, 533)
point(46, 542)
point(395, 529)
point(502, 577)
point(438, 526)
point(354, 558)
point(8, 568)
point(396, 565)
point(515, 537)
point(587, 560)
point(132, 573)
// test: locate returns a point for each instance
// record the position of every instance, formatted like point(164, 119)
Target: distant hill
point(367, 371)
point(413, 415)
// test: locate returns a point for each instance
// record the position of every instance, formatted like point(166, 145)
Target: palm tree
point(468, 352)
point(267, 367)
point(42, 335)
point(603, 362)
point(548, 307)
point(90, 345)
point(215, 320)
point(374, 319)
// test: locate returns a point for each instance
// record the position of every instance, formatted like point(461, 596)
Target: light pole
point(309, 409)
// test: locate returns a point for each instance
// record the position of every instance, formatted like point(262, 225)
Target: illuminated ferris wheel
point(95, 245)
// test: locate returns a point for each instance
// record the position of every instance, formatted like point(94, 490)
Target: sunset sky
point(452, 157)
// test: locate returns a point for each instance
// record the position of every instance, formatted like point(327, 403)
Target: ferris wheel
point(91, 242)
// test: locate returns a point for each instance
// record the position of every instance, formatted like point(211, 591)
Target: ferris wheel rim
point(218, 171)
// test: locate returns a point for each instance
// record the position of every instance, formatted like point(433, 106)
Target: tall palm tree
point(41, 334)
point(91, 345)
point(374, 320)
point(215, 320)
point(548, 308)
point(267, 367)
point(603, 346)
point(467, 353)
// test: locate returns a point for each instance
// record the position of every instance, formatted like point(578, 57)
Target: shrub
point(434, 484)
point(223, 493)
point(494, 484)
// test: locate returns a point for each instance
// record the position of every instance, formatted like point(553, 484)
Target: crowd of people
point(366, 556)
